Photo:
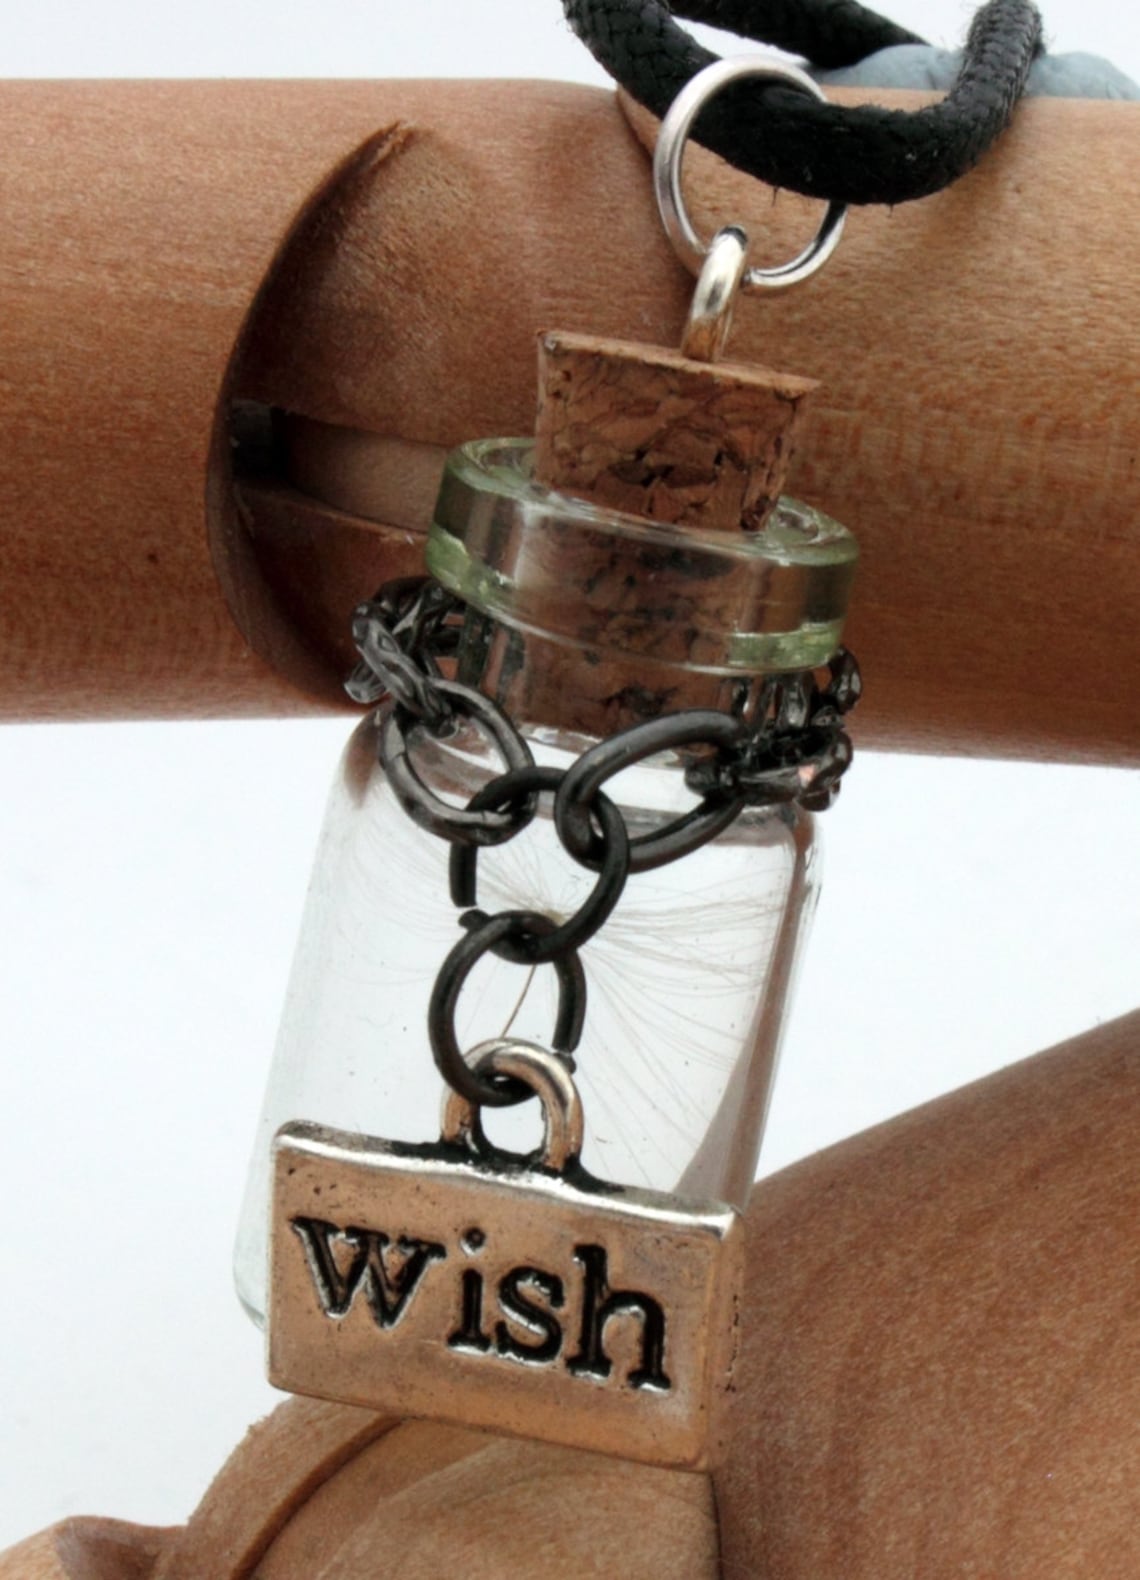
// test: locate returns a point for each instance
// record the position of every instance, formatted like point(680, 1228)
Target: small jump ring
point(490, 1090)
point(710, 313)
point(669, 155)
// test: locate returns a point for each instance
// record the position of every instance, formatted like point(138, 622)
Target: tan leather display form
point(376, 260)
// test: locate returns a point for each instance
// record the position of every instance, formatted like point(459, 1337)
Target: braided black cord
point(829, 33)
point(859, 155)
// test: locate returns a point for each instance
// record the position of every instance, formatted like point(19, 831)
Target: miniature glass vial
point(580, 622)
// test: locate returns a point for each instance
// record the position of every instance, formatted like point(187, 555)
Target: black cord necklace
point(785, 138)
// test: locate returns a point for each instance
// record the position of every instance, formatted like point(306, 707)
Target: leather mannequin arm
point(376, 259)
point(940, 1376)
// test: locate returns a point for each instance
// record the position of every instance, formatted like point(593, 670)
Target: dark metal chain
point(793, 749)
point(799, 750)
point(401, 635)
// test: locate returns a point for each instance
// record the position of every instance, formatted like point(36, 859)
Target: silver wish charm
point(458, 1282)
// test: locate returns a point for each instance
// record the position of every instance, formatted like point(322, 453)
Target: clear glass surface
point(687, 981)
point(579, 573)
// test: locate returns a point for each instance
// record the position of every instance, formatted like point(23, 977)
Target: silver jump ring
point(710, 313)
point(669, 156)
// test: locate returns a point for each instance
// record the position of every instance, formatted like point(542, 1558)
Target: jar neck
point(587, 620)
point(579, 693)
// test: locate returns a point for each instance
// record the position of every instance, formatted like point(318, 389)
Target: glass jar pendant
point(690, 976)
point(619, 701)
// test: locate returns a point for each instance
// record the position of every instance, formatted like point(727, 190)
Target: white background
point(151, 879)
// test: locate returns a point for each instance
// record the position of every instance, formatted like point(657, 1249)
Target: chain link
point(462, 825)
point(574, 804)
point(401, 635)
point(792, 749)
point(797, 750)
point(613, 869)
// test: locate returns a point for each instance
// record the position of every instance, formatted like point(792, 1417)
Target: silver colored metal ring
point(710, 313)
point(549, 1080)
point(669, 156)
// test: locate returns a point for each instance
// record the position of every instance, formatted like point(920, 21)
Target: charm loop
point(514, 790)
point(547, 1078)
point(669, 154)
point(499, 1091)
point(710, 313)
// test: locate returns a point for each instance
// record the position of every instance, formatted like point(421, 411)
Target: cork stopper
point(652, 433)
